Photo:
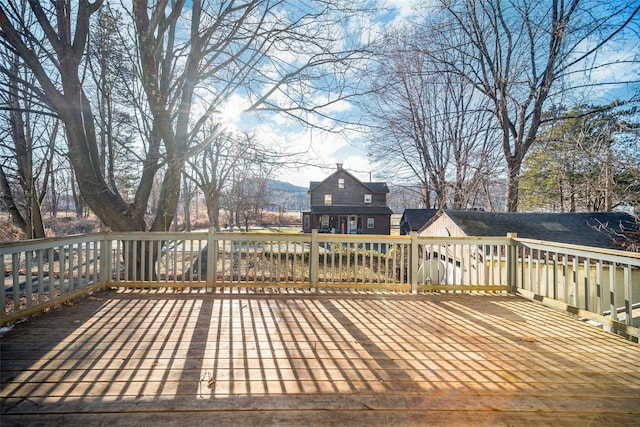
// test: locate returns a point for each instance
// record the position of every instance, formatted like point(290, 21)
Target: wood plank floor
point(194, 358)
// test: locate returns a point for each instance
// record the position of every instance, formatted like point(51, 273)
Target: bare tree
point(192, 57)
point(625, 236)
point(248, 193)
point(431, 129)
point(59, 84)
point(234, 49)
point(26, 153)
point(228, 158)
point(516, 54)
point(212, 168)
point(111, 91)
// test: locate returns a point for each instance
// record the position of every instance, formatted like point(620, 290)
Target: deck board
point(144, 357)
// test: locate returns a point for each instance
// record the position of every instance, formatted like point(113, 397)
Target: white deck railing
point(600, 285)
point(596, 284)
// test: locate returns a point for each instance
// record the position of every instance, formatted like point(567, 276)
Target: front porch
point(294, 357)
point(348, 220)
point(338, 224)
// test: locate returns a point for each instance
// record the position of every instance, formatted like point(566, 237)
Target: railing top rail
point(326, 237)
point(481, 240)
point(49, 242)
point(258, 236)
point(6, 247)
point(603, 251)
point(585, 251)
point(155, 235)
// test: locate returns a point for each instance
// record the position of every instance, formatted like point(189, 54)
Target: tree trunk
point(212, 200)
point(35, 225)
point(459, 196)
point(53, 191)
point(561, 194)
point(572, 197)
point(169, 196)
point(23, 151)
point(77, 202)
point(83, 154)
point(426, 196)
point(10, 203)
point(186, 196)
point(609, 180)
point(513, 184)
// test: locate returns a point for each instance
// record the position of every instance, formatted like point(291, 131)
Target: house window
point(305, 222)
point(325, 221)
point(341, 183)
point(371, 222)
point(367, 198)
point(327, 199)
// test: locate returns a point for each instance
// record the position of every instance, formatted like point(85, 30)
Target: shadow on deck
point(196, 358)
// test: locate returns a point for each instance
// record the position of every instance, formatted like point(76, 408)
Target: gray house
point(343, 204)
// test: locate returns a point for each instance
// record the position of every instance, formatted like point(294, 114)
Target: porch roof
point(351, 210)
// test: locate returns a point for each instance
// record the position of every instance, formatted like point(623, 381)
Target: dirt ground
point(62, 225)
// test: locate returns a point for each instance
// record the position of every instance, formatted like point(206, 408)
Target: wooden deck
point(194, 358)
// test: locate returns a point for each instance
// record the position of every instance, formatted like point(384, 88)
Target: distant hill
point(286, 187)
point(288, 197)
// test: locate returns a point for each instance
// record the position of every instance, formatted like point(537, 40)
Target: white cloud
point(358, 165)
point(322, 150)
point(231, 111)
point(403, 7)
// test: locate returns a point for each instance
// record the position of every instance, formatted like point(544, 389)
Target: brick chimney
point(339, 165)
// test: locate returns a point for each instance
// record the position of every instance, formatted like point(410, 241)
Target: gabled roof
point(571, 228)
point(417, 218)
point(375, 187)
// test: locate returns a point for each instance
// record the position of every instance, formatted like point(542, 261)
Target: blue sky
point(323, 149)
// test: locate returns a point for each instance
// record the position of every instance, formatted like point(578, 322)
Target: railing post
point(314, 261)
point(628, 297)
point(212, 258)
point(105, 259)
point(413, 262)
point(512, 263)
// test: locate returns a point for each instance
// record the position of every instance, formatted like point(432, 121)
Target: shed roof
point(417, 218)
point(580, 228)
